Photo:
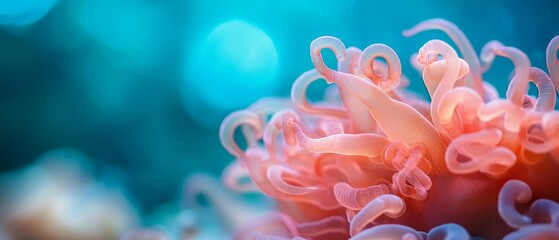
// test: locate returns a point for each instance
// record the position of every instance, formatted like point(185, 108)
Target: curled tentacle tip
point(487, 53)
point(330, 42)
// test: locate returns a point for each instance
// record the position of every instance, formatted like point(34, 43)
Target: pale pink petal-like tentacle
point(463, 102)
point(514, 191)
point(451, 72)
point(360, 116)
point(333, 44)
point(361, 144)
point(274, 174)
point(519, 84)
point(357, 198)
point(234, 120)
point(369, 55)
point(433, 73)
point(332, 224)
point(485, 156)
point(461, 41)
point(391, 205)
point(388, 231)
point(358, 113)
point(498, 108)
point(299, 97)
point(534, 232)
point(552, 62)
point(546, 90)
point(449, 231)
point(401, 123)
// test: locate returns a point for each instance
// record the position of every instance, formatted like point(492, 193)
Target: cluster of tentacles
point(373, 160)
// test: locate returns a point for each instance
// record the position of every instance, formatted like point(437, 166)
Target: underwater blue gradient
point(23, 12)
point(141, 86)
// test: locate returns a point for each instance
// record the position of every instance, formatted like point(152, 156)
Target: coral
point(379, 162)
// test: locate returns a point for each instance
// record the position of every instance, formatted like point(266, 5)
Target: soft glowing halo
point(234, 66)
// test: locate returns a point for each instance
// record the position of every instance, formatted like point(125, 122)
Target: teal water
point(142, 86)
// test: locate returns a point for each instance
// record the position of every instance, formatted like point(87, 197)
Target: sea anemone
point(380, 162)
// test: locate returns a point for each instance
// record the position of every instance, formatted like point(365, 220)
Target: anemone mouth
point(377, 160)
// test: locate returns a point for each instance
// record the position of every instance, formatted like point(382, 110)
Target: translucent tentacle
point(465, 103)
point(552, 62)
point(519, 84)
point(274, 174)
point(391, 205)
point(401, 122)
point(449, 231)
point(495, 109)
point(451, 73)
point(299, 97)
point(361, 144)
point(263, 108)
point(461, 41)
point(408, 171)
point(483, 153)
point(546, 90)
point(332, 224)
point(357, 198)
point(369, 55)
point(231, 122)
point(545, 210)
point(275, 126)
point(358, 113)
point(333, 44)
point(514, 191)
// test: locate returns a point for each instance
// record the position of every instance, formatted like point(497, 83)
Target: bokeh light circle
point(232, 67)
point(23, 12)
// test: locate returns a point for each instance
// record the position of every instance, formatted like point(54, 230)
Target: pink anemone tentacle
point(299, 98)
point(474, 78)
point(392, 79)
point(401, 122)
point(514, 191)
point(357, 198)
point(391, 205)
point(519, 84)
point(552, 62)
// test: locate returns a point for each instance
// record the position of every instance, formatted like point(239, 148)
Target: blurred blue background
point(141, 86)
